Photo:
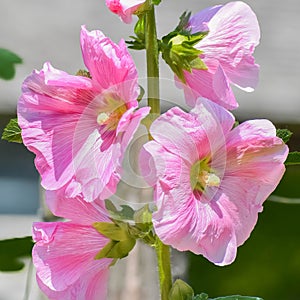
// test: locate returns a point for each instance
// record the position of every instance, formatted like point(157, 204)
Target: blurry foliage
point(12, 251)
point(8, 60)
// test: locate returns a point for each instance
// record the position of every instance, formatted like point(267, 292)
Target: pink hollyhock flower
point(80, 126)
point(124, 8)
point(210, 180)
point(64, 253)
point(233, 33)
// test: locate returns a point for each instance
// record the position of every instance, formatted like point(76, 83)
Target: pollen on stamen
point(102, 118)
point(212, 180)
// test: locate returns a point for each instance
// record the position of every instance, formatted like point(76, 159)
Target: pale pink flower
point(79, 127)
point(64, 253)
point(124, 8)
point(233, 33)
point(210, 180)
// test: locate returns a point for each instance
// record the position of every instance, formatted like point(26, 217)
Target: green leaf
point(12, 132)
point(202, 296)
point(284, 134)
point(116, 249)
point(126, 212)
point(293, 159)
point(181, 291)
point(8, 60)
point(12, 251)
point(236, 297)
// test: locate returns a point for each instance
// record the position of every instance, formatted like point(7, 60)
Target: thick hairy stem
point(152, 61)
point(164, 269)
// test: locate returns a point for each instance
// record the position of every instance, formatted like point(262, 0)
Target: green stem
point(162, 251)
point(152, 61)
point(164, 268)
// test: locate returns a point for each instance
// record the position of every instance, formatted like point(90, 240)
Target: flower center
point(202, 176)
point(109, 117)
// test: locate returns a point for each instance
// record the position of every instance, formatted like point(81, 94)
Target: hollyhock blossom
point(210, 180)
point(64, 253)
point(233, 33)
point(80, 126)
point(124, 8)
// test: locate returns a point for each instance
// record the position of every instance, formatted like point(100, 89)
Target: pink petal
point(111, 66)
point(193, 135)
point(58, 116)
point(92, 286)
point(213, 117)
point(248, 160)
point(64, 253)
point(162, 165)
point(241, 199)
point(181, 220)
point(75, 208)
point(212, 84)
point(47, 114)
point(253, 148)
point(198, 22)
point(124, 8)
point(180, 133)
point(129, 124)
point(233, 34)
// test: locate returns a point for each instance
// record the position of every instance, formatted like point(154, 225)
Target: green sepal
point(139, 28)
point(143, 228)
point(236, 124)
point(116, 249)
point(12, 251)
point(121, 242)
point(181, 291)
point(293, 159)
point(8, 60)
point(284, 134)
point(143, 215)
point(178, 49)
point(125, 213)
point(12, 132)
point(156, 2)
point(114, 231)
point(138, 41)
point(142, 93)
point(184, 22)
point(135, 43)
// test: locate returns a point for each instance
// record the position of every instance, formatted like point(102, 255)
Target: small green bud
point(83, 73)
point(284, 134)
point(178, 49)
point(181, 291)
